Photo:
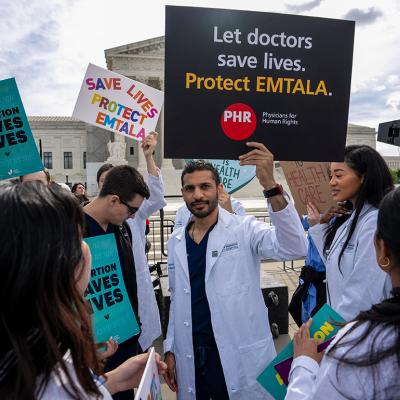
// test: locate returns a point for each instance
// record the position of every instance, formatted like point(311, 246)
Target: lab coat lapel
point(217, 240)
point(181, 252)
point(343, 230)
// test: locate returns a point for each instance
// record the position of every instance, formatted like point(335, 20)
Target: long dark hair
point(43, 315)
point(377, 181)
point(382, 322)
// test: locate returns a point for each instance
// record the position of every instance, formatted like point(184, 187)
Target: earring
point(387, 263)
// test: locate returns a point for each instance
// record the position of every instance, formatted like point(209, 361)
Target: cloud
point(375, 100)
point(363, 17)
point(394, 101)
point(299, 8)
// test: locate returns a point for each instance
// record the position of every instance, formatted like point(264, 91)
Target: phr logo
point(238, 121)
point(237, 116)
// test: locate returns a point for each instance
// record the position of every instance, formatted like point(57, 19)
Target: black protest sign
point(389, 132)
point(238, 76)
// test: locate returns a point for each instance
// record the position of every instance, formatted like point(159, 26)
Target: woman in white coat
point(344, 238)
point(363, 362)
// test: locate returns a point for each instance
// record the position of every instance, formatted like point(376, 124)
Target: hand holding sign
point(263, 159)
point(149, 144)
point(111, 348)
point(323, 328)
point(128, 375)
point(304, 345)
point(313, 214)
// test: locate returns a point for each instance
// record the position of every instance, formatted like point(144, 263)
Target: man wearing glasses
point(120, 197)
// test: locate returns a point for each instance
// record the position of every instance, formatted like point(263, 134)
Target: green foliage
point(395, 175)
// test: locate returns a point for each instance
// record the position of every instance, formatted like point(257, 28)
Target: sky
point(47, 44)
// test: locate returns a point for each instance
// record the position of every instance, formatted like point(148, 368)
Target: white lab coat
point(361, 282)
point(238, 313)
point(148, 309)
point(58, 378)
point(329, 380)
point(183, 214)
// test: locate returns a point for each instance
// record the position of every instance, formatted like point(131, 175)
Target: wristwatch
point(278, 189)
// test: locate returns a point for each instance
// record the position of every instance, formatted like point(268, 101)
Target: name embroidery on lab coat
point(349, 247)
point(230, 247)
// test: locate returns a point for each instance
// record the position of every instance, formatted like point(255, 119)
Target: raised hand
point(263, 159)
point(149, 144)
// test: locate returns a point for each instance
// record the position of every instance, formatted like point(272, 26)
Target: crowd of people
point(218, 338)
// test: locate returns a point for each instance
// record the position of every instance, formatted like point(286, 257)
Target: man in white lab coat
point(219, 338)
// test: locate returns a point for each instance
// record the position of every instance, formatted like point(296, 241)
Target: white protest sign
point(118, 104)
point(149, 387)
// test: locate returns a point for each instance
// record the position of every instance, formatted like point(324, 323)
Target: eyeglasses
point(131, 210)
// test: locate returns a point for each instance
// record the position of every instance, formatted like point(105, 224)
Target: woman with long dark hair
point(363, 362)
point(344, 235)
point(46, 347)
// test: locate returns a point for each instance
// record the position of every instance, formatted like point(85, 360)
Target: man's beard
point(212, 205)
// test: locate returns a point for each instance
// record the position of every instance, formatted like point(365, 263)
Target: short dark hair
point(201, 165)
point(103, 168)
point(125, 182)
point(75, 186)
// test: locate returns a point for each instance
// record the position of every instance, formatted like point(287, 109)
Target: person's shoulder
point(368, 217)
point(58, 379)
point(360, 336)
point(90, 225)
point(235, 221)
point(182, 210)
point(179, 231)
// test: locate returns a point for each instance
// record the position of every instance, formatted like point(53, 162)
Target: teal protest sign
point(275, 377)
point(113, 315)
point(18, 152)
point(233, 176)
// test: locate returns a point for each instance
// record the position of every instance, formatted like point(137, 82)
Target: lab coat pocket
point(232, 289)
point(254, 359)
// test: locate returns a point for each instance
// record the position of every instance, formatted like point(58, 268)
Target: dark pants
point(210, 380)
point(125, 350)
